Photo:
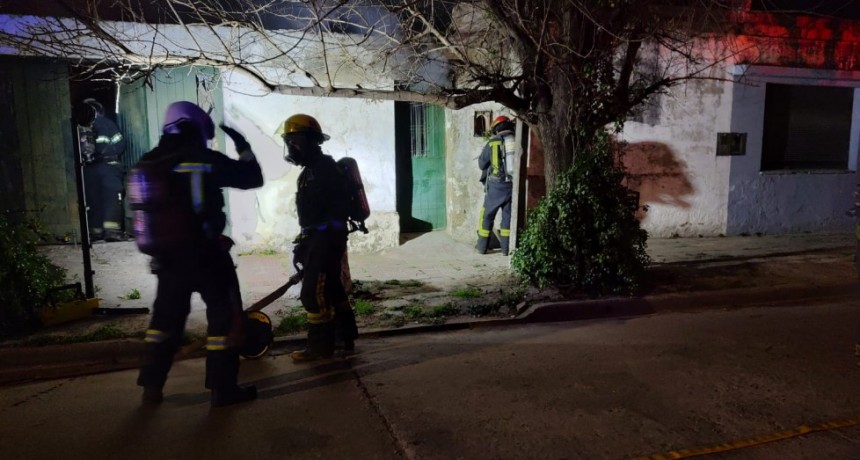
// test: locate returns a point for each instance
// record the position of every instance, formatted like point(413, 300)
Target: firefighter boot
point(152, 395)
point(307, 355)
point(235, 395)
point(483, 245)
point(320, 343)
point(346, 330)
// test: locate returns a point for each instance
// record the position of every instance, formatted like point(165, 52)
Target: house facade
point(767, 145)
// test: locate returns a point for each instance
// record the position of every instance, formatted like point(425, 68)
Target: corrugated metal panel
point(132, 120)
point(43, 114)
point(200, 85)
point(11, 178)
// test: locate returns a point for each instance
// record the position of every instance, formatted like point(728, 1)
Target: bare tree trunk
point(556, 126)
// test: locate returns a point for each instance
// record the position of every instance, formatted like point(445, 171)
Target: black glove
point(241, 144)
point(300, 251)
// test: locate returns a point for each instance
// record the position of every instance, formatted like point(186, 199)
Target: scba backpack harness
point(359, 209)
point(162, 220)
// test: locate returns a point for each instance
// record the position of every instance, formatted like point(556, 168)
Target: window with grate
point(425, 120)
point(417, 131)
point(806, 127)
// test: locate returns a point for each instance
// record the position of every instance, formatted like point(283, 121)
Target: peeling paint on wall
point(364, 130)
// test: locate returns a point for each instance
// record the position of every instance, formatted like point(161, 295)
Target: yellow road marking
point(750, 442)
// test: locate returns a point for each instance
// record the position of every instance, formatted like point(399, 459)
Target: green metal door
point(421, 180)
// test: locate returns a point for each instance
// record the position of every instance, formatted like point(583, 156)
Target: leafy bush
point(584, 235)
point(25, 277)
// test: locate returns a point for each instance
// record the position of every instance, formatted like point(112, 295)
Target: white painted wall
point(730, 195)
point(783, 202)
point(464, 192)
point(362, 129)
point(690, 116)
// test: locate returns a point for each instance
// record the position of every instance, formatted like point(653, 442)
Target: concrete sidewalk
point(731, 271)
point(433, 258)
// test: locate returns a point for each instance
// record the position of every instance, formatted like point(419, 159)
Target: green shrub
point(132, 295)
point(25, 277)
point(584, 235)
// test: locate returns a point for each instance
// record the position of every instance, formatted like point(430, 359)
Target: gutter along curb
point(28, 364)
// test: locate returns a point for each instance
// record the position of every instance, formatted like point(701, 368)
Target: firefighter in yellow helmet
point(322, 197)
point(497, 164)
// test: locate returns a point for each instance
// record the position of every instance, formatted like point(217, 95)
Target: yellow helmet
point(301, 123)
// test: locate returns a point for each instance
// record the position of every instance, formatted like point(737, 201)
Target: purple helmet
point(183, 111)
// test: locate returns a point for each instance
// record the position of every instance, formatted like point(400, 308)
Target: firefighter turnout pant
point(208, 270)
point(103, 184)
point(330, 315)
point(498, 196)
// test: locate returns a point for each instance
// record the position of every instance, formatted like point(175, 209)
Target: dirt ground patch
point(483, 290)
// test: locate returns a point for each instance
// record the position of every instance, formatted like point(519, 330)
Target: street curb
point(686, 301)
point(28, 364)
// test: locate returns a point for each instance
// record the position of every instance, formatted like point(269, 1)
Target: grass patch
point(291, 323)
point(261, 252)
point(132, 295)
point(108, 332)
point(483, 309)
point(441, 311)
point(467, 293)
point(413, 312)
point(364, 307)
point(512, 297)
point(395, 321)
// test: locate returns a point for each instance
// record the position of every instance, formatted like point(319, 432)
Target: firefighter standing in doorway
point(497, 163)
point(194, 256)
point(321, 198)
point(103, 176)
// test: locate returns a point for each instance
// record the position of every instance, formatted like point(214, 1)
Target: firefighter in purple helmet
point(203, 264)
point(103, 175)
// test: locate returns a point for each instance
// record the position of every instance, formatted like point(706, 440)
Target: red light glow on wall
point(798, 41)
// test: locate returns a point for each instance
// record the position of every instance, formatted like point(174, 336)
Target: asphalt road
point(615, 388)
